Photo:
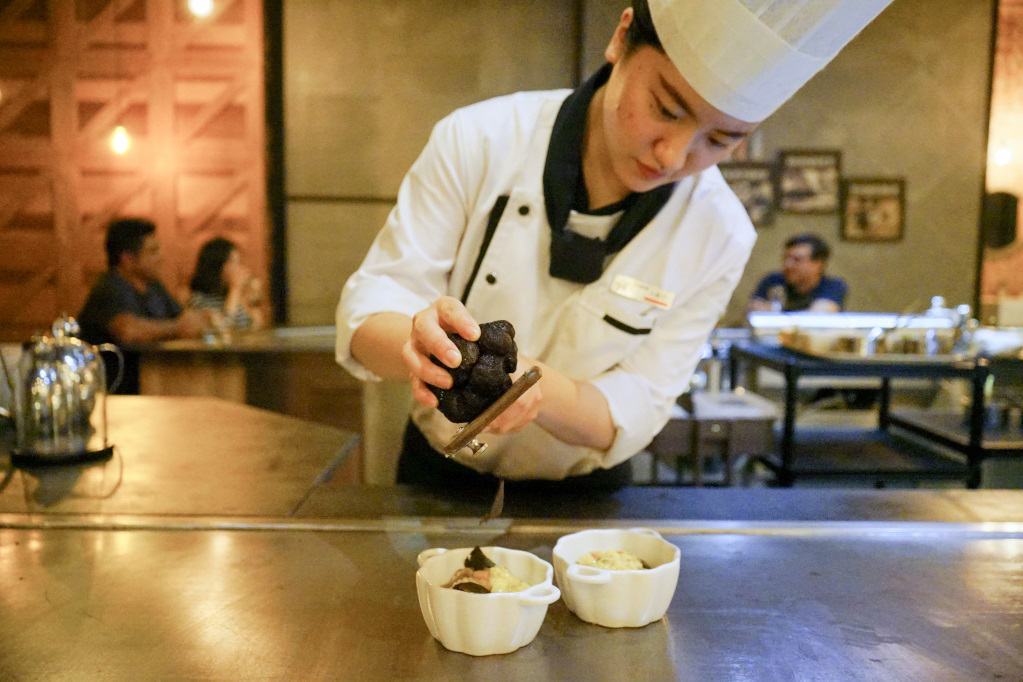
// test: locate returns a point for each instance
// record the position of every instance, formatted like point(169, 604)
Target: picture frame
point(754, 184)
point(873, 209)
point(808, 180)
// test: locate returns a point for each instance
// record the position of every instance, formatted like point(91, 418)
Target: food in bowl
point(612, 560)
point(617, 598)
point(484, 624)
point(482, 576)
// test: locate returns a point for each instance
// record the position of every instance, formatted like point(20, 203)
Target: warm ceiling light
point(120, 141)
point(200, 8)
point(1003, 156)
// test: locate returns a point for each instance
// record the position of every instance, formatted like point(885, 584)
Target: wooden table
point(288, 370)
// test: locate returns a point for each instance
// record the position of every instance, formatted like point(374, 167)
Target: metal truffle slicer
point(466, 436)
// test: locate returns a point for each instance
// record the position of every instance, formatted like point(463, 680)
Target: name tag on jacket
point(635, 290)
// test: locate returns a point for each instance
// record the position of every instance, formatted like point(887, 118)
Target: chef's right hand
point(430, 328)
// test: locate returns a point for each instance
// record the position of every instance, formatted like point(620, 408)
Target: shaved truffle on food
point(481, 575)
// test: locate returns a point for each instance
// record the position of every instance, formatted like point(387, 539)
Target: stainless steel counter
point(643, 504)
point(336, 600)
point(190, 568)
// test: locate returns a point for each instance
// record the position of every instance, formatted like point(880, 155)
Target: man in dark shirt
point(801, 283)
point(129, 305)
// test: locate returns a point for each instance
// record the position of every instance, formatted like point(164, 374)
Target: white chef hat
point(747, 57)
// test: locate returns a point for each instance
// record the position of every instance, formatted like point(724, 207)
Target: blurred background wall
point(365, 81)
point(362, 83)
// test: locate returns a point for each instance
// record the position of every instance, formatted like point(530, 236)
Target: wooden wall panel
point(1002, 268)
point(190, 93)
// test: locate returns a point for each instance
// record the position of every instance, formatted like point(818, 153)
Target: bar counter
point(269, 568)
point(173, 455)
point(292, 371)
point(288, 370)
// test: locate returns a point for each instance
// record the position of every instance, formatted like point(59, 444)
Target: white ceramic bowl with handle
point(484, 624)
point(616, 599)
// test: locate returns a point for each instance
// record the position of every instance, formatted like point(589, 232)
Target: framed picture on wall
point(754, 184)
point(873, 209)
point(808, 180)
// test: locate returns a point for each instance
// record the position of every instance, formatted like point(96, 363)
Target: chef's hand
point(523, 411)
point(429, 337)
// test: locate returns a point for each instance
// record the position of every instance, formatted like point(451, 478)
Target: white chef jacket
point(640, 357)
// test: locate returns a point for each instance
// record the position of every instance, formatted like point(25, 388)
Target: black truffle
point(496, 341)
point(462, 404)
point(477, 560)
point(469, 586)
point(488, 377)
point(482, 376)
point(469, 349)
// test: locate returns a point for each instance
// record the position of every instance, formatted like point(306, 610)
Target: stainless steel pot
point(60, 397)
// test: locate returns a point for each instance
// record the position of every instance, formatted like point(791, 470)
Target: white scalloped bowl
point(484, 624)
point(617, 599)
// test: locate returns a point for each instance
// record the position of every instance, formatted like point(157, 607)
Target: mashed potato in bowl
point(617, 598)
point(483, 624)
point(612, 560)
point(483, 576)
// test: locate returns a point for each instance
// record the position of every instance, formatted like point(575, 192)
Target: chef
point(596, 222)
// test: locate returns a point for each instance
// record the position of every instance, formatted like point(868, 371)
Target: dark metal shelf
point(951, 430)
point(824, 452)
point(794, 365)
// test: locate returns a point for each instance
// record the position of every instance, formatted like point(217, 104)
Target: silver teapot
point(59, 390)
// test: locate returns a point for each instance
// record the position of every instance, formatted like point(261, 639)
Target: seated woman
point(222, 283)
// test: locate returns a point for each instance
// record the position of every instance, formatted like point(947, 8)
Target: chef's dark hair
point(641, 31)
point(126, 236)
point(209, 267)
point(819, 249)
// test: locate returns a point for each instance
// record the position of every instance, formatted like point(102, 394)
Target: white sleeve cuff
point(630, 403)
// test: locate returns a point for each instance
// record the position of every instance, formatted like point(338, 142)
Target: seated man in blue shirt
point(129, 304)
point(801, 283)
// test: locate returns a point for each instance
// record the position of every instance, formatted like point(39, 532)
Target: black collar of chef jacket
point(574, 257)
